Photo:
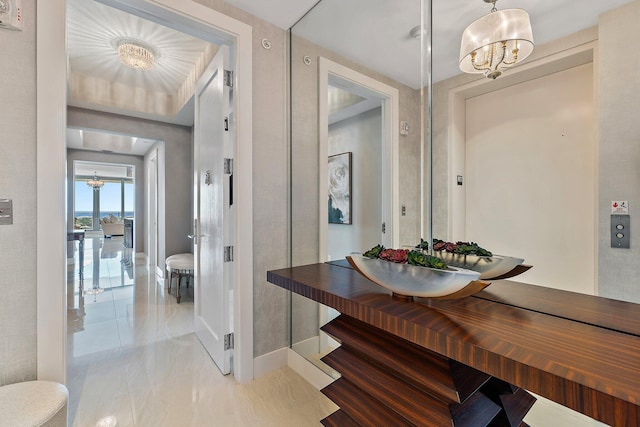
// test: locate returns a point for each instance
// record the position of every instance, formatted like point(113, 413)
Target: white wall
point(362, 136)
point(531, 179)
point(18, 182)
point(619, 155)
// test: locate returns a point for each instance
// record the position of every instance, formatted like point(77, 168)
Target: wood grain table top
point(578, 350)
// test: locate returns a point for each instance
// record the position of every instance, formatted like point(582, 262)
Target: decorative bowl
point(410, 280)
point(488, 267)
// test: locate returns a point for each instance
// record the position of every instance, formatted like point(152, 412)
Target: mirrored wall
point(527, 165)
point(357, 138)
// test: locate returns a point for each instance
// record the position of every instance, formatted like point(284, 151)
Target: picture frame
point(340, 188)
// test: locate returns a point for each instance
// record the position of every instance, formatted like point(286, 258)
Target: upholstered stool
point(180, 265)
point(34, 404)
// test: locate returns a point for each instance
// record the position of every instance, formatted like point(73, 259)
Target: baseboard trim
point(285, 356)
point(269, 362)
point(308, 370)
point(307, 347)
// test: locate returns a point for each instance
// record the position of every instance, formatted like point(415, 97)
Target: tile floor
point(133, 359)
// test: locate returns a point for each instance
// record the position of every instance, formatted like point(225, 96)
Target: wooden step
point(412, 404)
point(424, 369)
point(360, 407)
point(339, 419)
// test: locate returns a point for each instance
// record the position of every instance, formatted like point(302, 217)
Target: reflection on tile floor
point(133, 359)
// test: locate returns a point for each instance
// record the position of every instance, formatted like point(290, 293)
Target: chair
point(34, 404)
point(180, 265)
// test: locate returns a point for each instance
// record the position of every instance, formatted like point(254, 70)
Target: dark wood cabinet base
point(389, 381)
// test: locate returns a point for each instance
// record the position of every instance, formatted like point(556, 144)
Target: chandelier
point(95, 183)
point(496, 41)
point(135, 55)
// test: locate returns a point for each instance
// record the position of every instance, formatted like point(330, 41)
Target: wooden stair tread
point(360, 407)
point(391, 391)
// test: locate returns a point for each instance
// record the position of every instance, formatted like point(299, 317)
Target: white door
point(531, 177)
point(214, 211)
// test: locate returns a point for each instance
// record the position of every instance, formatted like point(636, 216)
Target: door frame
point(51, 105)
point(390, 145)
point(152, 213)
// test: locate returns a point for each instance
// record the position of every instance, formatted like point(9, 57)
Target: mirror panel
point(592, 137)
point(349, 95)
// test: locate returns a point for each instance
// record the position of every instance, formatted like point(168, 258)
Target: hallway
point(133, 359)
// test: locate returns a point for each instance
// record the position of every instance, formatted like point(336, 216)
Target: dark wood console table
point(467, 362)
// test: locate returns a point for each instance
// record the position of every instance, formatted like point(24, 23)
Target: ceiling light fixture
point(136, 55)
point(496, 41)
point(95, 183)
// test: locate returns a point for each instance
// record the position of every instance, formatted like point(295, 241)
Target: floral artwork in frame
point(340, 188)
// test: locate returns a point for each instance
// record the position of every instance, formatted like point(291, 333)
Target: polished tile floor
point(133, 359)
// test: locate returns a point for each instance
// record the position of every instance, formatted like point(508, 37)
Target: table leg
point(81, 258)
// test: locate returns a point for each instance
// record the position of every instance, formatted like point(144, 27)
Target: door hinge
point(228, 166)
point(384, 227)
point(228, 78)
point(226, 124)
point(228, 253)
point(228, 341)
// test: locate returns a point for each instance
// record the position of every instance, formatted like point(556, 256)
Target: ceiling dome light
point(136, 55)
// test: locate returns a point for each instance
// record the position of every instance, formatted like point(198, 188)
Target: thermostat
point(11, 14)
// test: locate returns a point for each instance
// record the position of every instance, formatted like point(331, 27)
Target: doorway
point(361, 119)
point(152, 209)
point(188, 17)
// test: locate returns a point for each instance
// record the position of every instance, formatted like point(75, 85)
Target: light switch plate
point(6, 212)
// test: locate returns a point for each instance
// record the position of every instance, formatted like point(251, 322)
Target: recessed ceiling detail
point(98, 80)
point(99, 141)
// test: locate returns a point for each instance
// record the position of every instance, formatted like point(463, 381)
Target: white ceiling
point(374, 33)
point(107, 142)
point(99, 81)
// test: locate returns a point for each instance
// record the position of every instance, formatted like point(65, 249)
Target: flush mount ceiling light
point(496, 41)
point(135, 54)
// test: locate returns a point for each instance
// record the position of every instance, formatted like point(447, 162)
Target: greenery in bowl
point(405, 256)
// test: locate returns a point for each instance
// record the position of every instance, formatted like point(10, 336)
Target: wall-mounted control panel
point(6, 212)
point(11, 14)
point(620, 231)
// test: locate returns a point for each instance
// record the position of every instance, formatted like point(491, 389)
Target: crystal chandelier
point(95, 183)
point(135, 55)
point(496, 41)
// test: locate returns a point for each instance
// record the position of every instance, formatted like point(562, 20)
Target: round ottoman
point(180, 265)
point(33, 404)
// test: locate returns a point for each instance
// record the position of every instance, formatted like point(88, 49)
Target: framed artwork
point(340, 188)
